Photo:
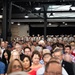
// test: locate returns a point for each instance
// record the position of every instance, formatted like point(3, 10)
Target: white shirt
point(42, 70)
point(64, 71)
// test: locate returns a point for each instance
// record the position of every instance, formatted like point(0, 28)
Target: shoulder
point(2, 68)
point(41, 70)
point(32, 72)
point(2, 64)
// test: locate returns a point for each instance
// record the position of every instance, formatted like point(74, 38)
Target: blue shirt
point(2, 68)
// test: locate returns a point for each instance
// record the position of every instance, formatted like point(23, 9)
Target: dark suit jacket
point(68, 67)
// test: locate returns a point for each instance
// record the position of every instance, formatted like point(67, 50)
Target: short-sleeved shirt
point(2, 68)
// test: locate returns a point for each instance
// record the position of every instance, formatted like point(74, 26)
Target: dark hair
point(27, 48)
point(57, 45)
point(68, 46)
point(3, 57)
point(37, 53)
point(57, 49)
point(26, 56)
point(50, 62)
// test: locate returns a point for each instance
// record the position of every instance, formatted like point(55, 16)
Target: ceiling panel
point(61, 8)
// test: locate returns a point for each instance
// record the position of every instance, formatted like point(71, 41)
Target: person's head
point(32, 48)
point(46, 51)
point(14, 55)
point(60, 45)
point(18, 73)
point(26, 62)
point(67, 57)
point(48, 43)
point(27, 51)
point(55, 59)
point(6, 55)
point(68, 49)
point(34, 43)
point(72, 44)
point(58, 53)
point(15, 66)
point(46, 57)
point(53, 68)
point(36, 57)
point(18, 48)
point(41, 43)
point(3, 44)
point(39, 49)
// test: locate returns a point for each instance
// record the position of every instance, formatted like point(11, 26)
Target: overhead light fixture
point(12, 22)
point(40, 21)
point(72, 8)
point(37, 8)
point(49, 24)
point(65, 23)
point(26, 16)
point(1, 16)
point(1, 8)
point(51, 14)
point(18, 24)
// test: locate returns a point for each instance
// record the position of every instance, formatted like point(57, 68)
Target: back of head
point(53, 67)
point(18, 73)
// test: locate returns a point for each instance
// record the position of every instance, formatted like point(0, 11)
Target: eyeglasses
point(54, 73)
point(16, 66)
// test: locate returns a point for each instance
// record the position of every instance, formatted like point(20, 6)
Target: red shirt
point(32, 72)
point(73, 53)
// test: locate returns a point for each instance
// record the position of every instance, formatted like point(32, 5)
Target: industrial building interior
point(42, 16)
point(37, 37)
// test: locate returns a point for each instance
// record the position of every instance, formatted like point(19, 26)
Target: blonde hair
point(11, 57)
point(11, 63)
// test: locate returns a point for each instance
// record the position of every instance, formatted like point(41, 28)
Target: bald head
point(53, 68)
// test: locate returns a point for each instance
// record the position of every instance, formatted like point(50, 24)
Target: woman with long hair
point(5, 58)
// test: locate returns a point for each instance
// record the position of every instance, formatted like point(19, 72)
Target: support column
point(5, 20)
point(29, 29)
point(45, 23)
point(9, 22)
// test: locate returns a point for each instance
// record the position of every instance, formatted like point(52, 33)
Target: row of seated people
point(50, 38)
point(34, 56)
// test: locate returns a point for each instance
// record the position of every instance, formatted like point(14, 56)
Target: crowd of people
point(33, 55)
